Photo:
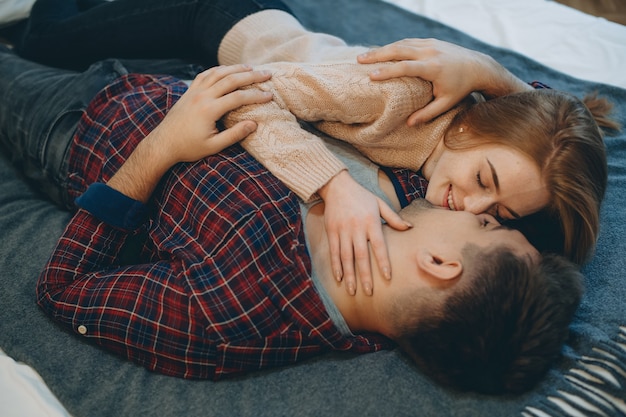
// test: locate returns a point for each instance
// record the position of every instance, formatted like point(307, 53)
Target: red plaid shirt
point(214, 280)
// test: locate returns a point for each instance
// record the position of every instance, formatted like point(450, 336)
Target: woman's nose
point(478, 204)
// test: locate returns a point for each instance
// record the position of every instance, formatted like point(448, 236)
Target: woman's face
point(490, 178)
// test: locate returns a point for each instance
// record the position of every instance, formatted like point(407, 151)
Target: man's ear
point(439, 266)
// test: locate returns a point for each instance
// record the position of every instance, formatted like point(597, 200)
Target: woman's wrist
point(498, 81)
point(334, 183)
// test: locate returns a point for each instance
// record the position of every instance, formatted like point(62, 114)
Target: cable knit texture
point(333, 93)
point(275, 36)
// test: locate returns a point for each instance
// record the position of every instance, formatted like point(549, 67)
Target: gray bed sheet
point(590, 377)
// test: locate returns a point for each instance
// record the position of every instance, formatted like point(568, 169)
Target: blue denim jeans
point(40, 106)
point(73, 34)
point(39, 112)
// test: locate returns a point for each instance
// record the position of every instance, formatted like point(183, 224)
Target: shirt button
point(82, 329)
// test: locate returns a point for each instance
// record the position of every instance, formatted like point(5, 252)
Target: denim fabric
point(39, 112)
point(72, 34)
point(37, 124)
point(41, 107)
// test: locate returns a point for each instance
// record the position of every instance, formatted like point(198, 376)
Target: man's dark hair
point(501, 330)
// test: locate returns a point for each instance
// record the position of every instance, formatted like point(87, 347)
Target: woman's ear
point(439, 266)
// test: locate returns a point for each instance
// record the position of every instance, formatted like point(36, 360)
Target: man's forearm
point(140, 174)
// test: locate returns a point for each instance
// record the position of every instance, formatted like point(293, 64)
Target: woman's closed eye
point(479, 181)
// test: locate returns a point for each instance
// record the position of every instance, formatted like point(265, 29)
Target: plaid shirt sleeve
point(219, 282)
point(86, 287)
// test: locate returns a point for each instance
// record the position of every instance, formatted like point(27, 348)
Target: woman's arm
point(342, 101)
point(454, 71)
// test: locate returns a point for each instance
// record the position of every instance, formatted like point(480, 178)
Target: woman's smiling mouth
point(450, 200)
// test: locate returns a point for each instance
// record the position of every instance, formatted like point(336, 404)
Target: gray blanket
point(590, 377)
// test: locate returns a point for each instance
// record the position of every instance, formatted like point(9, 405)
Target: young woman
point(513, 156)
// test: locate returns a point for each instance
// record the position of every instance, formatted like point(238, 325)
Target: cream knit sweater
point(324, 85)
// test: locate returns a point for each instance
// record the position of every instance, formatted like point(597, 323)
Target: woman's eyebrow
point(494, 175)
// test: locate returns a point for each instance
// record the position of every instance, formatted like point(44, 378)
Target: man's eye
point(501, 218)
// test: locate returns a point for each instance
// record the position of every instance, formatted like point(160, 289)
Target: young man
point(195, 263)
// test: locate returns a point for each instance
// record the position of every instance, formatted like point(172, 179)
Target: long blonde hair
point(560, 133)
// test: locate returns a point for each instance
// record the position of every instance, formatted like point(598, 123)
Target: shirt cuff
point(112, 207)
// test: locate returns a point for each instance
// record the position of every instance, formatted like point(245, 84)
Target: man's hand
point(189, 130)
point(454, 71)
point(352, 219)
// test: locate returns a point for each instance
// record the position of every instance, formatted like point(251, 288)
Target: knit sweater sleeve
point(298, 158)
point(341, 101)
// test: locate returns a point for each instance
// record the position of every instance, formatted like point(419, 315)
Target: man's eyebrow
point(514, 214)
point(500, 227)
point(496, 182)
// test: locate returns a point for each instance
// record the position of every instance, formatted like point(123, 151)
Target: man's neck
point(356, 309)
point(360, 311)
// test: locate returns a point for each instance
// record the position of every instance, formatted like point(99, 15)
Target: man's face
point(431, 257)
point(451, 231)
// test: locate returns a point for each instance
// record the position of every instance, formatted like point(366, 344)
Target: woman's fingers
point(405, 49)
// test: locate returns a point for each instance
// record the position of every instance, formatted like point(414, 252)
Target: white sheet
point(24, 394)
point(14, 10)
point(572, 42)
point(575, 43)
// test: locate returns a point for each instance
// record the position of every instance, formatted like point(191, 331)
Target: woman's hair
point(561, 133)
point(496, 331)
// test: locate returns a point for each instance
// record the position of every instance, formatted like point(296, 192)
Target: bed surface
point(562, 38)
point(589, 380)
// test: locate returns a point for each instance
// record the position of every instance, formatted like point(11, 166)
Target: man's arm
point(93, 241)
point(189, 131)
point(134, 309)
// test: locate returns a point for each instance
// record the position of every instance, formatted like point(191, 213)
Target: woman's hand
point(454, 71)
point(189, 131)
point(352, 219)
